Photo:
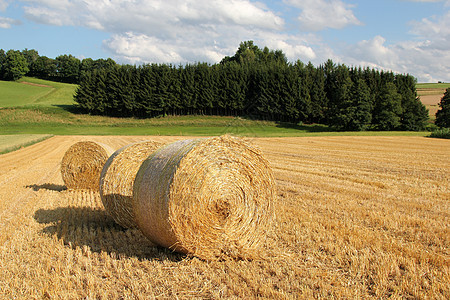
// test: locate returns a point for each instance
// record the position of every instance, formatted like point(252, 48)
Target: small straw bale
point(82, 164)
point(211, 198)
point(117, 179)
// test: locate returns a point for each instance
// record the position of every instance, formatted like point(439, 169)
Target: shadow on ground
point(93, 227)
point(69, 108)
point(305, 128)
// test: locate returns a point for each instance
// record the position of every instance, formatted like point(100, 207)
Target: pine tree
point(388, 108)
point(414, 113)
point(443, 114)
point(2, 62)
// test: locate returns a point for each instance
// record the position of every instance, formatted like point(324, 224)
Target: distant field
point(430, 95)
point(12, 142)
point(442, 86)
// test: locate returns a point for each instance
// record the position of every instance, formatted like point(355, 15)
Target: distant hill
point(30, 91)
point(430, 95)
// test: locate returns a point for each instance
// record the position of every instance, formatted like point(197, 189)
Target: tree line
point(261, 84)
point(254, 82)
point(15, 64)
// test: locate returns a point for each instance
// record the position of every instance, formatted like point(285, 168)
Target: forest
point(253, 83)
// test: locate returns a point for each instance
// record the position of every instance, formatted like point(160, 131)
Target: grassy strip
point(57, 121)
point(9, 143)
point(432, 86)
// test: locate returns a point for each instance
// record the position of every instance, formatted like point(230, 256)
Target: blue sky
point(405, 36)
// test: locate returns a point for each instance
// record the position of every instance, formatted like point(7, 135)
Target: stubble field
point(356, 217)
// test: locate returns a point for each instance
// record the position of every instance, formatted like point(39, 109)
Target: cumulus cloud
point(317, 15)
point(149, 16)
point(425, 57)
point(8, 22)
point(174, 31)
point(373, 52)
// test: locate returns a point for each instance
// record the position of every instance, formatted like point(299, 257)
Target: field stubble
point(356, 217)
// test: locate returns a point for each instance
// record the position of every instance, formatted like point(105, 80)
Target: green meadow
point(29, 92)
point(35, 106)
point(441, 86)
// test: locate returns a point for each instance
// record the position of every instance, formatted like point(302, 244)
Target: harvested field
point(356, 217)
point(431, 99)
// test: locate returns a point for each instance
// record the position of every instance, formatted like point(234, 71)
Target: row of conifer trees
point(260, 86)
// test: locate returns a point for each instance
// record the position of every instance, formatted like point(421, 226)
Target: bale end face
point(211, 198)
point(82, 164)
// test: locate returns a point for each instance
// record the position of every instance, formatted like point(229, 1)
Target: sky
point(403, 36)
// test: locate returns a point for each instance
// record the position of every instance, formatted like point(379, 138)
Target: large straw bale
point(82, 164)
point(117, 179)
point(212, 198)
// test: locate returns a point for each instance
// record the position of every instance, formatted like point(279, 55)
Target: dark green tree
point(388, 108)
point(188, 89)
point(443, 114)
point(87, 65)
point(248, 53)
point(44, 68)
point(68, 68)
point(319, 100)
point(2, 62)
point(354, 113)
point(414, 113)
point(31, 56)
point(340, 96)
point(15, 65)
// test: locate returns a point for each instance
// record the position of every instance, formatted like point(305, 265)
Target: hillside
point(33, 92)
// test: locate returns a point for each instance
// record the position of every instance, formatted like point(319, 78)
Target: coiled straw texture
point(82, 164)
point(117, 179)
point(212, 198)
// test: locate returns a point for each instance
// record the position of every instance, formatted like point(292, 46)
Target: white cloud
point(375, 52)
point(46, 16)
point(174, 31)
point(426, 56)
point(424, 59)
point(8, 22)
point(295, 47)
point(317, 15)
point(3, 5)
point(150, 16)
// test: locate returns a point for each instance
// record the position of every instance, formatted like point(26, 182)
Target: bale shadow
point(93, 227)
point(47, 186)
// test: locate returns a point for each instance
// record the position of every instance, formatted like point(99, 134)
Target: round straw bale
point(117, 179)
point(211, 198)
point(82, 164)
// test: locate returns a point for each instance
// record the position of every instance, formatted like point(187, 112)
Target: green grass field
point(35, 106)
point(35, 92)
point(442, 86)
